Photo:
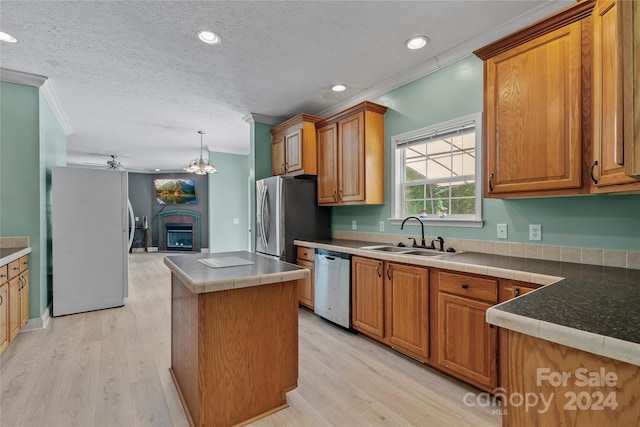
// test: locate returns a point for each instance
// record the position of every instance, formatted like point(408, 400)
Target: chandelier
point(201, 166)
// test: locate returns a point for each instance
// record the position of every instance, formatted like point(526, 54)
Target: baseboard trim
point(38, 322)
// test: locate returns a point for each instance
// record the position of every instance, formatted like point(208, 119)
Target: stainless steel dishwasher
point(333, 287)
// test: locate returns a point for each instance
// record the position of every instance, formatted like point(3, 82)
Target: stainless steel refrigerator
point(287, 209)
point(91, 235)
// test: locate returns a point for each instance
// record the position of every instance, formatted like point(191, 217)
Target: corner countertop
point(591, 308)
point(259, 270)
point(8, 255)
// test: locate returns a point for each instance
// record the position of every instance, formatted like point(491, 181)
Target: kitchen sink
point(385, 248)
point(406, 250)
point(427, 252)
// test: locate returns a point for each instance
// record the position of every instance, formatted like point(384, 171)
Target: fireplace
point(179, 236)
point(179, 229)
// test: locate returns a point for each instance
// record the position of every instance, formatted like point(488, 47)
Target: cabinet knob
point(465, 286)
point(1, 300)
point(282, 168)
point(16, 268)
point(340, 195)
point(378, 269)
point(334, 196)
point(389, 271)
point(517, 292)
point(490, 182)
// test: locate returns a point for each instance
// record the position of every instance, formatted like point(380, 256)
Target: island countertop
point(231, 270)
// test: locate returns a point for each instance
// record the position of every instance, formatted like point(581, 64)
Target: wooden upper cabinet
point(327, 164)
point(351, 156)
point(535, 118)
point(608, 171)
point(629, 35)
point(293, 146)
point(277, 154)
point(351, 159)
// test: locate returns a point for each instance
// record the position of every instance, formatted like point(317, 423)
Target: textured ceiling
point(134, 80)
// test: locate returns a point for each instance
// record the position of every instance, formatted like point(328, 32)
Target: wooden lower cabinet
point(390, 303)
point(609, 397)
point(306, 287)
point(367, 296)
point(4, 316)
point(467, 344)
point(15, 319)
point(14, 299)
point(407, 309)
point(24, 299)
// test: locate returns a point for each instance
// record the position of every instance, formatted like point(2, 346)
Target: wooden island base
point(234, 353)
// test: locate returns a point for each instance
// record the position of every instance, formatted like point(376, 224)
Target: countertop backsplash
point(592, 256)
point(14, 242)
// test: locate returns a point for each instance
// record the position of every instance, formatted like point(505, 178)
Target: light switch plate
point(236, 221)
point(381, 226)
point(502, 231)
point(354, 226)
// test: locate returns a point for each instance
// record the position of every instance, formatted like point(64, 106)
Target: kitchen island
point(234, 335)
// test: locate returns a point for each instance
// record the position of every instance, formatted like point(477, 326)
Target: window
point(437, 173)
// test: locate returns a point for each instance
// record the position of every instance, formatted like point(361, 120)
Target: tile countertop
point(200, 278)
point(591, 308)
point(11, 254)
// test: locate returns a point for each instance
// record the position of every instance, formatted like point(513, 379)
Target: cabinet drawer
point(4, 274)
point(306, 253)
point(14, 268)
point(24, 263)
point(469, 286)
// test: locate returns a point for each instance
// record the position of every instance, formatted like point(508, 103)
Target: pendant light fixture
point(201, 166)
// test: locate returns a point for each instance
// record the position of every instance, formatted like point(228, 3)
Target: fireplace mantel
point(179, 216)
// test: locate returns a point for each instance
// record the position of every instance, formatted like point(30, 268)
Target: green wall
point(259, 167)
point(228, 200)
point(610, 221)
point(31, 141)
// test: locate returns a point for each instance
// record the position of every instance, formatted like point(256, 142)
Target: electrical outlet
point(381, 226)
point(535, 232)
point(502, 231)
point(354, 226)
point(236, 221)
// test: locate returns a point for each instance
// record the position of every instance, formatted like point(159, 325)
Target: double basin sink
point(400, 250)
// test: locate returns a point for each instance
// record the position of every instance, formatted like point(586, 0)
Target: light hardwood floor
point(111, 368)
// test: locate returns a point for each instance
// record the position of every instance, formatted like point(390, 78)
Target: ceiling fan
point(114, 163)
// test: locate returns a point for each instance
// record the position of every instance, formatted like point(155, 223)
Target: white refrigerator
point(90, 222)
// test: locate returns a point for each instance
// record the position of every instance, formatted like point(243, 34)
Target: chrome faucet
point(424, 244)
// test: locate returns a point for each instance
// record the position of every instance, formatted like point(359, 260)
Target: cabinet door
point(14, 307)
point(306, 286)
point(367, 296)
point(4, 315)
point(327, 139)
point(24, 299)
point(407, 309)
point(293, 151)
point(533, 114)
point(608, 145)
point(467, 344)
point(351, 162)
point(277, 155)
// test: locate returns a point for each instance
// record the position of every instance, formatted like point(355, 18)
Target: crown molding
point(49, 94)
point(264, 119)
point(448, 57)
point(22, 78)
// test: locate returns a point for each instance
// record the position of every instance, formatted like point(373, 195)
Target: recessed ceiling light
point(209, 37)
point(417, 42)
point(6, 37)
point(157, 170)
point(338, 88)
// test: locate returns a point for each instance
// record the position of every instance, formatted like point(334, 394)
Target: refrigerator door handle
point(266, 219)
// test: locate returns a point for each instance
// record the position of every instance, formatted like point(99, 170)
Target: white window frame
point(397, 174)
